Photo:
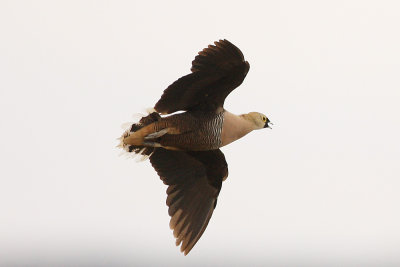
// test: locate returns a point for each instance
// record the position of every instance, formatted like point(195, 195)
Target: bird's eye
point(264, 119)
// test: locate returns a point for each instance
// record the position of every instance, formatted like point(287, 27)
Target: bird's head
point(260, 120)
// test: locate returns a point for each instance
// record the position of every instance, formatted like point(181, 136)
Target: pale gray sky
point(321, 188)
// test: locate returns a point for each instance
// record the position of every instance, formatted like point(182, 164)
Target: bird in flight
point(184, 147)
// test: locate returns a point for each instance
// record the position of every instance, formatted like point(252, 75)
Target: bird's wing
point(194, 179)
point(216, 71)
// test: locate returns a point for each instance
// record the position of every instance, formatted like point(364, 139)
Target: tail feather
point(139, 149)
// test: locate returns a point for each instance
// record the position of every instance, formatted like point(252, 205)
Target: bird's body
point(193, 130)
point(184, 147)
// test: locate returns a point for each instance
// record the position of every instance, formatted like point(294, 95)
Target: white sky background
point(321, 188)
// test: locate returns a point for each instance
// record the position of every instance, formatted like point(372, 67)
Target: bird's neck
point(235, 127)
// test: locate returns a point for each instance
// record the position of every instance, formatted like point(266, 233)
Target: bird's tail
point(132, 140)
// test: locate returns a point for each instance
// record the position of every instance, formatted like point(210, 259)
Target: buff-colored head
point(260, 120)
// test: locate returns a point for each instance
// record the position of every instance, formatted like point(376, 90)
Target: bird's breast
point(234, 127)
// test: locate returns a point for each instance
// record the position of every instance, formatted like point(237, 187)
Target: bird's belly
point(205, 135)
point(196, 141)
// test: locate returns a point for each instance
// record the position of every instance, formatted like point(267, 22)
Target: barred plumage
point(197, 131)
point(184, 147)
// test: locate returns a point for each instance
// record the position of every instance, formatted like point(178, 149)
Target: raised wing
point(194, 179)
point(216, 71)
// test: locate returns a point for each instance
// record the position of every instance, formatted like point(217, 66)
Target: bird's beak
point(267, 126)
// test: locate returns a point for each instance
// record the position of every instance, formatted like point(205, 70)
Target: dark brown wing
point(194, 179)
point(216, 71)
